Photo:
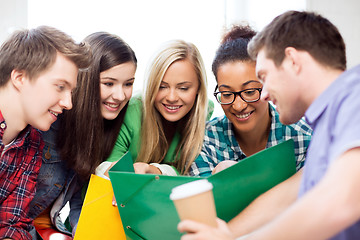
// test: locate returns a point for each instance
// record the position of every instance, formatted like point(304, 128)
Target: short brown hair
point(35, 50)
point(305, 31)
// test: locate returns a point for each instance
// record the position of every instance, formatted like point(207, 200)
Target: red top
point(20, 164)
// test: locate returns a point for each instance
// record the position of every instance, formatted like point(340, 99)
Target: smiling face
point(280, 87)
point(237, 76)
point(178, 91)
point(116, 86)
point(45, 96)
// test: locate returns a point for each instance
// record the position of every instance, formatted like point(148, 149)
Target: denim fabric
point(56, 185)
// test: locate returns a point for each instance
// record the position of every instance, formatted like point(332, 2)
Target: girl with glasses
point(250, 124)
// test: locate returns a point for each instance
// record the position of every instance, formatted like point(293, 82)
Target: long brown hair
point(86, 139)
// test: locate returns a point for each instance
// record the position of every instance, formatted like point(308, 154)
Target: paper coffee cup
point(195, 201)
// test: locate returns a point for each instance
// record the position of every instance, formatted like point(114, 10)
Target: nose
point(65, 101)
point(239, 104)
point(172, 95)
point(265, 96)
point(119, 94)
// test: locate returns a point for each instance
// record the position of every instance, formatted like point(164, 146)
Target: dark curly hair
point(233, 46)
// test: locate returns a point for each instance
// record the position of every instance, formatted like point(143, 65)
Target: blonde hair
point(154, 145)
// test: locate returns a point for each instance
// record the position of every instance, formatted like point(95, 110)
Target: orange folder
point(98, 218)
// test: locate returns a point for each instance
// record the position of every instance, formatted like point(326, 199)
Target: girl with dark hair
point(250, 124)
point(101, 97)
point(84, 137)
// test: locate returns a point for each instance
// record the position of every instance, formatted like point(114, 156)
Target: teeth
point(113, 105)
point(243, 115)
point(54, 113)
point(172, 107)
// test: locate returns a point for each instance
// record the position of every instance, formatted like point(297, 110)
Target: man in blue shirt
point(301, 61)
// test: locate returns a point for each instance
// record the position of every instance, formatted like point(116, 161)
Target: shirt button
point(3, 125)
point(47, 154)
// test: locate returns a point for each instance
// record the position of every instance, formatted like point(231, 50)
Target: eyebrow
point(224, 85)
point(178, 84)
point(114, 79)
point(250, 81)
point(244, 84)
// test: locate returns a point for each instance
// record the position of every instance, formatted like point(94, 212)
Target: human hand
point(200, 231)
point(223, 165)
point(106, 173)
point(114, 203)
point(143, 168)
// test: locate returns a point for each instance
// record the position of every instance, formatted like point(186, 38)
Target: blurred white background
point(145, 24)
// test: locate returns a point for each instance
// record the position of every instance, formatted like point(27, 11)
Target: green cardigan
point(129, 135)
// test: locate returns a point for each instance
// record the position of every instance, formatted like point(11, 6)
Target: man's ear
point(294, 60)
point(17, 78)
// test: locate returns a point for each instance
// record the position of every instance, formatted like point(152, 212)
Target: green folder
point(125, 164)
point(148, 213)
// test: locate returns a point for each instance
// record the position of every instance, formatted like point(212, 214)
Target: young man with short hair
point(38, 71)
point(301, 60)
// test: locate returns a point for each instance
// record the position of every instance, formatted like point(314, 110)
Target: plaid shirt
point(220, 143)
point(19, 166)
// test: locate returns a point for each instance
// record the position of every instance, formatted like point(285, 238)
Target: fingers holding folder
point(146, 209)
point(148, 213)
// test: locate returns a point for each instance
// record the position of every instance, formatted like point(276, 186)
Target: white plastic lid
point(191, 188)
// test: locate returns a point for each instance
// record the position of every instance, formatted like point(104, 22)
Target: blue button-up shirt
point(335, 119)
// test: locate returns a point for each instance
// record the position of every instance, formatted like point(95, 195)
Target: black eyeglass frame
point(237, 93)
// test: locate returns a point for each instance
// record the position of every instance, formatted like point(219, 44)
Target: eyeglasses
point(248, 95)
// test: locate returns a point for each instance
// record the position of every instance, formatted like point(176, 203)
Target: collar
point(3, 125)
point(319, 105)
point(229, 132)
point(19, 141)
point(274, 115)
